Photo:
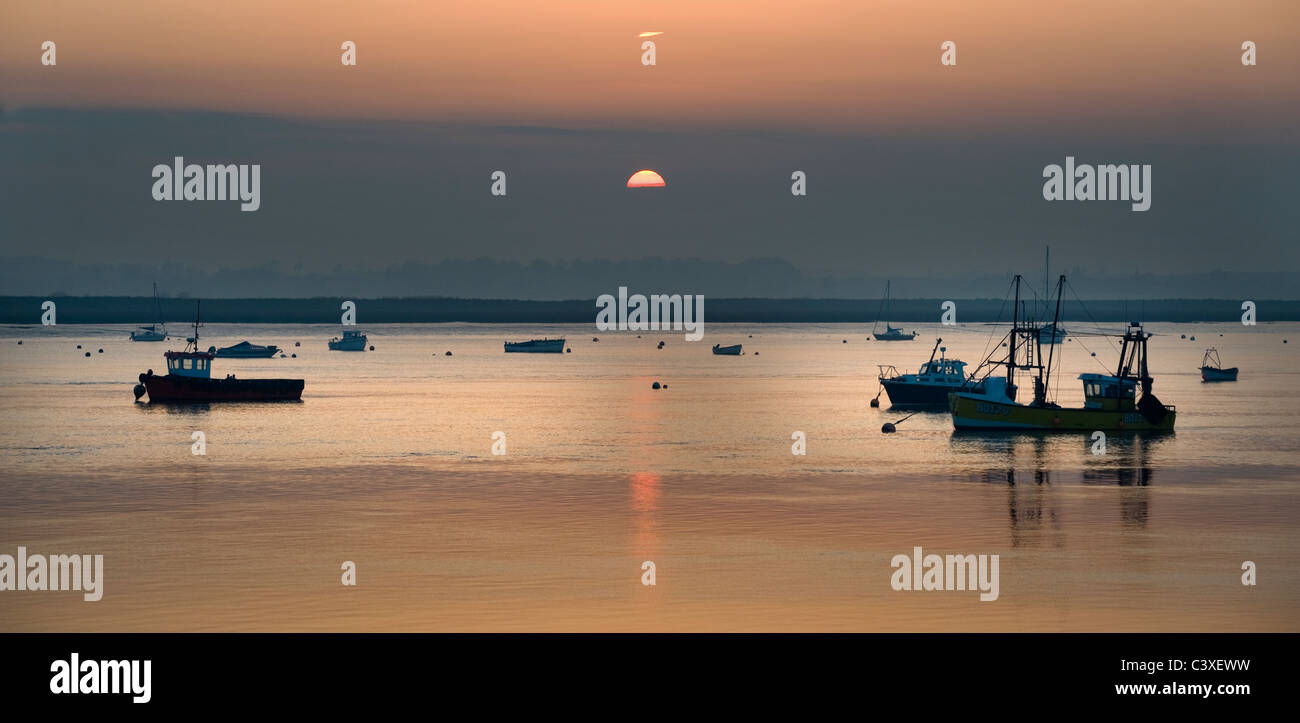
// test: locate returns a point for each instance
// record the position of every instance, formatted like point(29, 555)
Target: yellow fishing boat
point(1111, 401)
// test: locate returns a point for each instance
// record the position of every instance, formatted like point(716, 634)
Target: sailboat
point(1110, 400)
point(890, 333)
point(156, 331)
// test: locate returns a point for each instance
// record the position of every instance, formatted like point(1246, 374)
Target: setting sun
point(646, 179)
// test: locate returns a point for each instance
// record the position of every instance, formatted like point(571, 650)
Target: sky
point(914, 168)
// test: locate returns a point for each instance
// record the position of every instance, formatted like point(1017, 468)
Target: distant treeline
point(140, 310)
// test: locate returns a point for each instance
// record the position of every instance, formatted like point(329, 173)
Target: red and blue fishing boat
point(189, 379)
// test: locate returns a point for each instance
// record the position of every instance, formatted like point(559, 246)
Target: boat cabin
point(941, 371)
point(1102, 391)
point(189, 364)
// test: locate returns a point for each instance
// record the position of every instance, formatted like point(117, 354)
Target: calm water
point(388, 462)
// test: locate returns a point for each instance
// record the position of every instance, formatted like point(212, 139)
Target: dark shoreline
point(326, 310)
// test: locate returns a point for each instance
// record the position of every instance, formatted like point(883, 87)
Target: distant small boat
point(1212, 369)
point(351, 341)
point(890, 333)
point(1051, 334)
point(733, 350)
point(536, 346)
point(149, 333)
point(244, 350)
point(156, 331)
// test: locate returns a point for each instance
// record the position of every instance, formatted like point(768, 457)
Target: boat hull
point(175, 388)
point(348, 345)
point(727, 350)
point(911, 394)
point(893, 337)
point(537, 346)
point(250, 353)
point(1211, 374)
point(971, 411)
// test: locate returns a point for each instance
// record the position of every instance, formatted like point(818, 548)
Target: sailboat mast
point(1051, 347)
point(1015, 332)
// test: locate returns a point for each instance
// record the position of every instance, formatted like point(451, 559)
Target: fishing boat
point(733, 350)
point(1110, 400)
point(156, 331)
point(929, 386)
point(890, 333)
point(351, 341)
point(1212, 369)
point(536, 346)
point(244, 350)
point(189, 379)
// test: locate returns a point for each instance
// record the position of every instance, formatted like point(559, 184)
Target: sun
point(646, 178)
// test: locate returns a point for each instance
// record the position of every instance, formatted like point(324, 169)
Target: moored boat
point(536, 346)
point(890, 333)
point(1212, 368)
point(733, 350)
point(156, 331)
point(1111, 401)
point(1051, 334)
point(929, 386)
point(350, 341)
point(189, 379)
point(149, 333)
point(244, 350)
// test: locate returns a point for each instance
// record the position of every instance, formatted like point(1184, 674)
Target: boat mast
point(194, 340)
point(1015, 332)
point(1051, 346)
point(937, 342)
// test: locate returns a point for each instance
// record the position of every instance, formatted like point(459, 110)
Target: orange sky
point(841, 64)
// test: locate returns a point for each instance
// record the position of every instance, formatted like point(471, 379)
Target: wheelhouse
point(1102, 391)
point(942, 370)
point(189, 364)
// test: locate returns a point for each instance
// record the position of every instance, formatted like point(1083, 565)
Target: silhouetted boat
point(351, 341)
point(1212, 369)
point(929, 386)
point(156, 331)
point(189, 379)
point(244, 350)
point(1051, 334)
point(733, 350)
point(1110, 400)
point(536, 346)
point(890, 333)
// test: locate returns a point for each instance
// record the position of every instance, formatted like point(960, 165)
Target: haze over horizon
point(914, 170)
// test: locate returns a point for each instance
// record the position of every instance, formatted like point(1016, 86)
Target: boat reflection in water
point(1039, 469)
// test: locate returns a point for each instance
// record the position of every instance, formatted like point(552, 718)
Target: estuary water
point(388, 462)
